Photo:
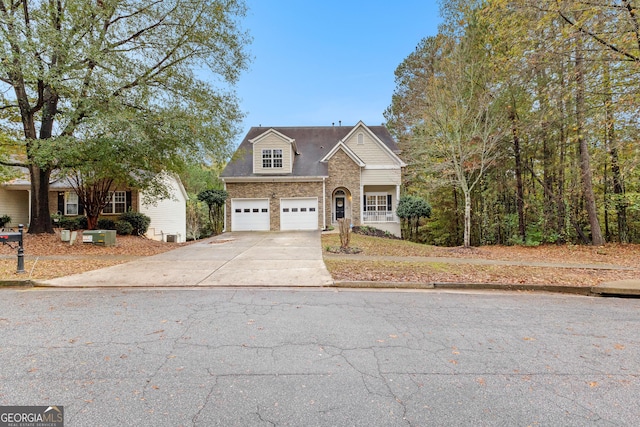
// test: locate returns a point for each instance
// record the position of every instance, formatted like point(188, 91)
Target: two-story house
point(306, 178)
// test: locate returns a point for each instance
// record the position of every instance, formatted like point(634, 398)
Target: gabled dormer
point(273, 153)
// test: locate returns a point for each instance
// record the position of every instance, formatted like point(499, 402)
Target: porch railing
point(380, 216)
point(374, 216)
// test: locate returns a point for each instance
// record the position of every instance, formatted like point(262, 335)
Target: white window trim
point(277, 154)
point(68, 202)
point(376, 195)
point(267, 154)
point(112, 202)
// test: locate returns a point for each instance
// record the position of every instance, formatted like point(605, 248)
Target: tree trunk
point(585, 165)
point(560, 174)
point(519, 186)
point(467, 218)
point(618, 190)
point(40, 215)
point(92, 222)
point(605, 196)
point(618, 185)
point(456, 216)
point(344, 228)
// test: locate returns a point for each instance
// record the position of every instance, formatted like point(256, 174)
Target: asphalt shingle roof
point(313, 143)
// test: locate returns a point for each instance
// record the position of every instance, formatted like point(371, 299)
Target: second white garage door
point(250, 214)
point(300, 213)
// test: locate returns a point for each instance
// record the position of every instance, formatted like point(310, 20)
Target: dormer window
point(277, 158)
point(272, 158)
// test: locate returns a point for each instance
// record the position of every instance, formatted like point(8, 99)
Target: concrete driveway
point(232, 259)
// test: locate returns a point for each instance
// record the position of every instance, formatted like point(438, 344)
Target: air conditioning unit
point(172, 238)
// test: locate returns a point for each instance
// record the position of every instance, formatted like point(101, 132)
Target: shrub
point(372, 231)
point(106, 224)
point(139, 221)
point(4, 220)
point(411, 210)
point(82, 222)
point(71, 223)
point(123, 228)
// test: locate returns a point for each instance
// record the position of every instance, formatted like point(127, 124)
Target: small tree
point(195, 219)
point(344, 225)
point(411, 210)
point(215, 200)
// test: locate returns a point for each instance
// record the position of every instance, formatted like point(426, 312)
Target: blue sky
point(319, 62)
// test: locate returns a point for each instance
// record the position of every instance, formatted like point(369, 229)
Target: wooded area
point(522, 118)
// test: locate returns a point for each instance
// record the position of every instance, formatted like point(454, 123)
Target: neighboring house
point(168, 216)
point(306, 178)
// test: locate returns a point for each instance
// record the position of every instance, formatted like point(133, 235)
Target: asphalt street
point(320, 357)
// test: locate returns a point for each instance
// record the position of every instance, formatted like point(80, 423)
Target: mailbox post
point(9, 237)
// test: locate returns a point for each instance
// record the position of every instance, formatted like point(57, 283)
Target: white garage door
point(250, 215)
point(299, 213)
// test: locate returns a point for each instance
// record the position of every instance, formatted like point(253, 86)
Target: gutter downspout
point(29, 198)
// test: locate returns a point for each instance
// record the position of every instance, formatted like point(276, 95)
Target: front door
point(339, 208)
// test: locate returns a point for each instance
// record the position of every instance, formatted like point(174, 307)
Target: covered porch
point(379, 207)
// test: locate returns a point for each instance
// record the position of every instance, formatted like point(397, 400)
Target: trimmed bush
point(83, 224)
point(4, 220)
point(71, 223)
point(123, 228)
point(106, 224)
point(139, 221)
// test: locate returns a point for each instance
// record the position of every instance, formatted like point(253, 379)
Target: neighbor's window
point(71, 204)
point(266, 158)
point(117, 203)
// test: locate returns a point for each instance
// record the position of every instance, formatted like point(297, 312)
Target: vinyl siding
point(15, 203)
point(381, 177)
point(168, 216)
point(370, 151)
point(272, 142)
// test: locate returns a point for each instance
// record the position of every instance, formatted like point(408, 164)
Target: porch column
point(361, 201)
point(397, 201)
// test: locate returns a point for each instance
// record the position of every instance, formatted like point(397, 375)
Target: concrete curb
point(26, 283)
point(592, 291)
point(574, 290)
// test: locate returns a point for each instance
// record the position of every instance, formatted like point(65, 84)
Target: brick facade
point(344, 173)
point(274, 191)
